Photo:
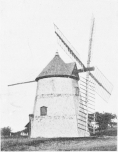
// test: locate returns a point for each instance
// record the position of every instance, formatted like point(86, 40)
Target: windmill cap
point(58, 68)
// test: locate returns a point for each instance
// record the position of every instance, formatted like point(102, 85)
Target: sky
point(28, 43)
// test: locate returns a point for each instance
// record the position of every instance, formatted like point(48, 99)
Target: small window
point(43, 111)
point(76, 91)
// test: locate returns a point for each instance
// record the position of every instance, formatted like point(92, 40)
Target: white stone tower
point(56, 107)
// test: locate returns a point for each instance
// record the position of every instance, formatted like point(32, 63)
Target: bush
point(6, 131)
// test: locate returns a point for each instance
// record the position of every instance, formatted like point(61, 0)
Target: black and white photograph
point(58, 75)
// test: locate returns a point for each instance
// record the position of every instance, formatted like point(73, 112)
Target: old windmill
point(95, 82)
point(63, 108)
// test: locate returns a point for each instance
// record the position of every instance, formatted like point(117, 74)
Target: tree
point(6, 131)
point(104, 119)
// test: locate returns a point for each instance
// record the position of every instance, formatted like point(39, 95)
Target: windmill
point(87, 85)
point(93, 83)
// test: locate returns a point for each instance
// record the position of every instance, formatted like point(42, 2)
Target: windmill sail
point(88, 75)
point(20, 83)
point(62, 41)
point(104, 88)
point(88, 105)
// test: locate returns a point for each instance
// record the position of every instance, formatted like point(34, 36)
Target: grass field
point(97, 143)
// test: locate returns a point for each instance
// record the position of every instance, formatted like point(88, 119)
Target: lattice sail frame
point(103, 87)
point(88, 105)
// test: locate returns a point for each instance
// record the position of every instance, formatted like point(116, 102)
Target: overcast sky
point(28, 43)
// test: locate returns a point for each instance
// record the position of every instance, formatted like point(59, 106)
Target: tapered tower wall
point(60, 95)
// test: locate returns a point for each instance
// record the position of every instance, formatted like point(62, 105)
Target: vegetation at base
point(5, 131)
point(107, 132)
point(103, 120)
point(60, 144)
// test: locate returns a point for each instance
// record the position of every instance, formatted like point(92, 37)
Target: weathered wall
point(58, 94)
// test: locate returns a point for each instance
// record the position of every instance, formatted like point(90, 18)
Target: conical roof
point(58, 68)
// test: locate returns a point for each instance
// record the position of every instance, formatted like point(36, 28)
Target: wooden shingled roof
point(58, 68)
